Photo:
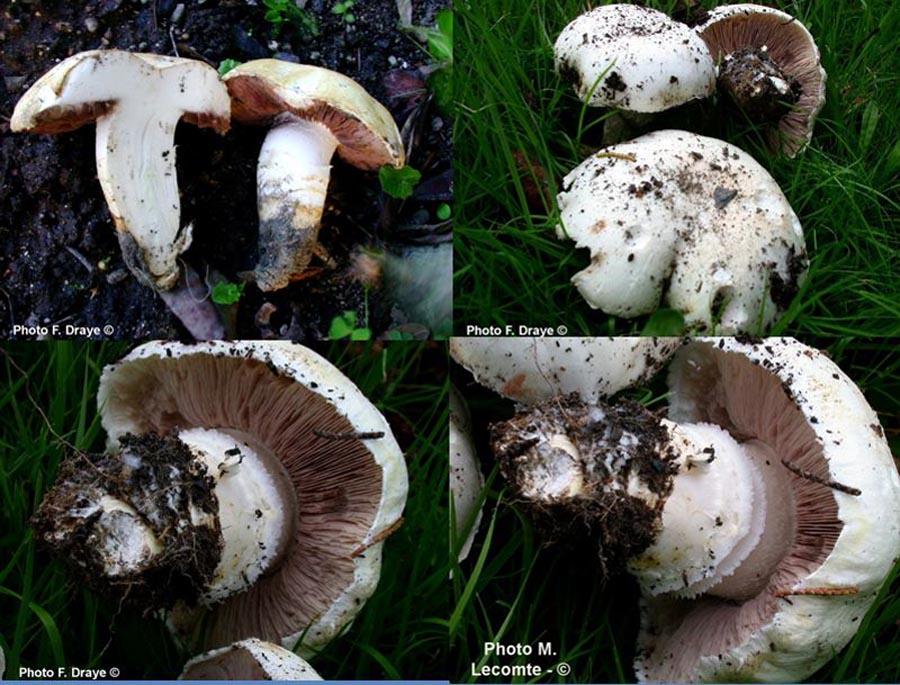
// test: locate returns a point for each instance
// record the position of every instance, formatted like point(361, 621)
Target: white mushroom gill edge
point(135, 142)
point(277, 662)
point(466, 479)
point(635, 59)
point(807, 631)
point(529, 370)
point(292, 183)
point(305, 367)
point(694, 213)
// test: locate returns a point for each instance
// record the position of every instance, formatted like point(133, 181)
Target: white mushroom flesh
point(634, 58)
point(685, 219)
point(137, 100)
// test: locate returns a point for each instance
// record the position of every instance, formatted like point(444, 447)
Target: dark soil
point(59, 256)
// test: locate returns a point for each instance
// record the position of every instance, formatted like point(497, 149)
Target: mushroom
point(760, 518)
point(633, 58)
point(2, 663)
point(247, 485)
point(466, 480)
point(690, 219)
point(136, 100)
point(529, 370)
point(313, 112)
point(250, 659)
point(770, 66)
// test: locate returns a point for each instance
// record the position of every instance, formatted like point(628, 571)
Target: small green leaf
point(339, 8)
point(398, 183)
point(665, 322)
point(443, 211)
point(227, 65)
point(893, 159)
point(342, 326)
point(349, 18)
point(440, 40)
point(361, 334)
point(869, 122)
point(227, 293)
point(274, 16)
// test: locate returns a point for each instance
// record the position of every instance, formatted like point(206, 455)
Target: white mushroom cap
point(845, 504)
point(250, 659)
point(529, 370)
point(789, 45)
point(647, 61)
point(137, 100)
point(686, 219)
point(466, 480)
point(350, 493)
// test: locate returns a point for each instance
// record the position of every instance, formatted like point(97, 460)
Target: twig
point(383, 535)
point(820, 591)
point(833, 484)
point(353, 435)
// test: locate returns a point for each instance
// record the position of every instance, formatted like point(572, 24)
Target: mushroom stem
point(756, 84)
point(292, 183)
point(200, 516)
point(682, 506)
point(136, 167)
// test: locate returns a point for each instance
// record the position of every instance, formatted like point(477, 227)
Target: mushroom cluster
point(760, 517)
point(136, 101)
point(246, 493)
point(673, 216)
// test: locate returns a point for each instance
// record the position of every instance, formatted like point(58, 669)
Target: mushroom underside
point(254, 102)
point(788, 45)
point(338, 483)
point(751, 404)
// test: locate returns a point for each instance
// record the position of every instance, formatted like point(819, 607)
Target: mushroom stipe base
point(634, 525)
point(163, 483)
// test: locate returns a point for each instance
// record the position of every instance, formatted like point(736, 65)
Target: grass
point(519, 128)
point(47, 401)
point(514, 590)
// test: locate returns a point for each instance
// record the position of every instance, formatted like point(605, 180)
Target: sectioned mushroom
point(692, 220)
point(250, 659)
point(313, 112)
point(137, 100)
point(247, 485)
point(769, 65)
point(760, 519)
point(633, 58)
